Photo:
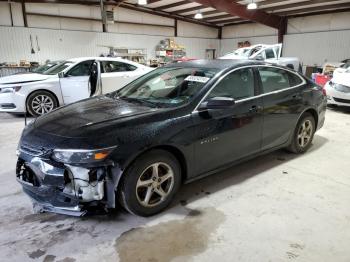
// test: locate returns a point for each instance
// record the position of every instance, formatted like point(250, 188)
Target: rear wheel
point(41, 102)
point(303, 134)
point(150, 183)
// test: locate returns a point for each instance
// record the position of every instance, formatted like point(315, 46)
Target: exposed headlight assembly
point(11, 89)
point(81, 156)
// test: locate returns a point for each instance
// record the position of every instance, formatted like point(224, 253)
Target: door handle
point(296, 96)
point(254, 109)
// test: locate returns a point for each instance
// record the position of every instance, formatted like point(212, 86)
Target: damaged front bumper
point(66, 189)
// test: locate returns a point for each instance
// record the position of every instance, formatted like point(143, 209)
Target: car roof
point(101, 58)
point(220, 64)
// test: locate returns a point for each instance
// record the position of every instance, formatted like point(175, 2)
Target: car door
point(226, 135)
point(282, 103)
point(75, 82)
point(116, 74)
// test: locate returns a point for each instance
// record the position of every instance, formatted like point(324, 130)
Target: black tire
point(295, 146)
point(41, 95)
point(130, 196)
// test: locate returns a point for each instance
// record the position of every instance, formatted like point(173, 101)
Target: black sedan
point(176, 124)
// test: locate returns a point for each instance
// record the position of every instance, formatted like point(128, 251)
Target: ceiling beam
point(299, 5)
point(314, 9)
point(236, 9)
point(166, 14)
point(322, 12)
point(176, 4)
point(126, 6)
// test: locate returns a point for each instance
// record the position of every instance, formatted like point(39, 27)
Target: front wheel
point(303, 134)
point(150, 183)
point(41, 102)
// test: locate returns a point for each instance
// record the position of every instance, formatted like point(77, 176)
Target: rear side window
point(269, 53)
point(237, 85)
point(114, 66)
point(275, 79)
point(294, 80)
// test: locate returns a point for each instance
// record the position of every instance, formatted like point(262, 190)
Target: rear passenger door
point(282, 104)
point(116, 74)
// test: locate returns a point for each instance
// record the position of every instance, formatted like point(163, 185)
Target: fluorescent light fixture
point(142, 2)
point(252, 6)
point(198, 15)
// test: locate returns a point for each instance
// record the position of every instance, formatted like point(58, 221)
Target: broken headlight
point(80, 156)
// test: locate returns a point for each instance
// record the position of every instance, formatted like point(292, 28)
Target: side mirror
point(217, 103)
point(61, 75)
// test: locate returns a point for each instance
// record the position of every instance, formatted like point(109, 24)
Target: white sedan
point(338, 89)
point(65, 83)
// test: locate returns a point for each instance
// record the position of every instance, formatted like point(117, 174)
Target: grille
point(339, 100)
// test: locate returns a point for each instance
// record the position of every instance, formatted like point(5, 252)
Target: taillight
point(324, 92)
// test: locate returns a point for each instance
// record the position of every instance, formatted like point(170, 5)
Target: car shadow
point(240, 173)
point(228, 178)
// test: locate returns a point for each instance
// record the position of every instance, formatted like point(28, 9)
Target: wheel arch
point(314, 113)
point(42, 89)
point(176, 152)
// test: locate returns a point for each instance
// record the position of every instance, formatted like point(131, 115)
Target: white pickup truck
point(268, 53)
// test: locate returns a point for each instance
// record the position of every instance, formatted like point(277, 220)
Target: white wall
point(62, 44)
point(61, 38)
point(318, 39)
point(314, 39)
point(254, 33)
point(186, 29)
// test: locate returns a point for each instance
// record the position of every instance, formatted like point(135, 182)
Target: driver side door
point(75, 83)
point(226, 135)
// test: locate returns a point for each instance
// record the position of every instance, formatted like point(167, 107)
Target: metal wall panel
point(319, 47)
point(63, 44)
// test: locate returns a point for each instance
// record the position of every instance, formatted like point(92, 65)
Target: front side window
point(167, 87)
point(114, 66)
point(275, 79)
point(58, 68)
point(237, 85)
point(81, 69)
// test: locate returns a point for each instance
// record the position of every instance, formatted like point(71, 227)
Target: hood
point(91, 116)
point(341, 76)
point(24, 78)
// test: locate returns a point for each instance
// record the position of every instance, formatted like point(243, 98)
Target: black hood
point(99, 114)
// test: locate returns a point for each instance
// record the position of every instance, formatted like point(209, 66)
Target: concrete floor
point(278, 207)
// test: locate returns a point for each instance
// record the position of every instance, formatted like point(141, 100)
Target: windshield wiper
point(139, 100)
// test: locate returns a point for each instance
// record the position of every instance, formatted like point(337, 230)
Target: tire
point(303, 134)
point(141, 180)
point(41, 102)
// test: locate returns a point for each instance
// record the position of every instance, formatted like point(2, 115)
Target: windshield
point(346, 65)
point(242, 52)
point(45, 67)
point(58, 68)
point(167, 87)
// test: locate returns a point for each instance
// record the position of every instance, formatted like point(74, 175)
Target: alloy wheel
point(155, 184)
point(305, 133)
point(42, 104)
